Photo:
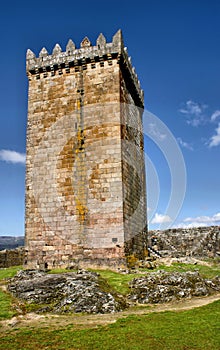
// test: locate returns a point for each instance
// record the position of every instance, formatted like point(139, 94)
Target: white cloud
point(215, 115)
point(195, 115)
point(191, 225)
point(194, 121)
point(12, 156)
point(200, 221)
point(160, 219)
point(193, 108)
point(205, 219)
point(215, 139)
point(194, 112)
point(155, 133)
point(185, 144)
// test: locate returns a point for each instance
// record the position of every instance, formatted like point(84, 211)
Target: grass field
point(197, 328)
point(194, 329)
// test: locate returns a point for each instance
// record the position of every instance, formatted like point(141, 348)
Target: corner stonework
point(85, 170)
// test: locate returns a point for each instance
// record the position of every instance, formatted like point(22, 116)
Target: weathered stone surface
point(85, 176)
point(68, 292)
point(14, 257)
point(161, 287)
point(196, 242)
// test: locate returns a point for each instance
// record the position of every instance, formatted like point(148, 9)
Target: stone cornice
point(84, 55)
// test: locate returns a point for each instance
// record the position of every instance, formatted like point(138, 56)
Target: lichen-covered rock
point(201, 242)
point(161, 287)
point(81, 291)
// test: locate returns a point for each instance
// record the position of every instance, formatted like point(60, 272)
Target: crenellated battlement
point(58, 61)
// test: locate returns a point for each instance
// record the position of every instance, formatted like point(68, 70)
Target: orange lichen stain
point(65, 165)
point(81, 210)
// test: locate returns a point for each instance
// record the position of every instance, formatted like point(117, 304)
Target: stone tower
point(85, 172)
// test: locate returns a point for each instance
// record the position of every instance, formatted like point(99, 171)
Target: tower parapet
point(40, 67)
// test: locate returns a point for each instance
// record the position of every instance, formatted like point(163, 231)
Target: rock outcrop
point(199, 242)
point(162, 287)
point(81, 291)
point(87, 292)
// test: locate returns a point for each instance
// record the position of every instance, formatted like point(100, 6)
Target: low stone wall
point(198, 242)
point(12, 257)
point(202, 242)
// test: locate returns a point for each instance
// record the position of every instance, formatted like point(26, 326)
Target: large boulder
point(161, 287)
point(81, 291)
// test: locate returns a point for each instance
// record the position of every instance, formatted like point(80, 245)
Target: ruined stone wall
point(74, 187)
point(198, 242)
point(13, 257)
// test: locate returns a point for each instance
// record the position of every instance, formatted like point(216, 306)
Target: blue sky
point(175, 48)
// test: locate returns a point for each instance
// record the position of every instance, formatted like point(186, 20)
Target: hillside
point(10, 242)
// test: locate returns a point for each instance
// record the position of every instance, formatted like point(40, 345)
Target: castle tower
point(85, 173)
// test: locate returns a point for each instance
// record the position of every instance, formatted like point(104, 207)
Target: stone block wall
point(13, 257)
point(201, 242)
point(133, 173)
point(82, 188)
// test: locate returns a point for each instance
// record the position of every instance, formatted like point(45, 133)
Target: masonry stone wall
point(13, 257)
point(85, 193)
point(201, 242)
point(133, 173)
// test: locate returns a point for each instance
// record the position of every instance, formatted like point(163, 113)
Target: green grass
point(187, 330)
point(120, 281)
point(60, 270)
point(196, 329)
point(6, 310)
point(205, 271)
point(9, 272)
